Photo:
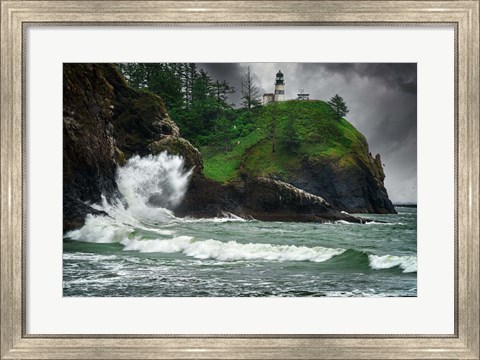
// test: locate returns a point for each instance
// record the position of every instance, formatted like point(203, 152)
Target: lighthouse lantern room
point(279, 87)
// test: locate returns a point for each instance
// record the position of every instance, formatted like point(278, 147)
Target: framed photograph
point(227, 179)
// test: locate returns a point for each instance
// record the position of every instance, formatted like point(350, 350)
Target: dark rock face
point(88, 145)
point(259, 198)
point(139, 118)
point(274, 200)
point(356, 189)
point(104, 123)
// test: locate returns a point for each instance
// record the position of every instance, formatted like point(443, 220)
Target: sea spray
point(159, 181)
point(151, 187)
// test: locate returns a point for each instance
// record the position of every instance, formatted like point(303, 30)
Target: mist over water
point(141, 249)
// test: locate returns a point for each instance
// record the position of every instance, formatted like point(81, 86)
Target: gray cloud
point(382, 101)
point(401, 76)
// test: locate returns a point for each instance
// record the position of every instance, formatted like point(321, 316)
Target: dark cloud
point(401, 76)
point(382, 101)
point(221, 71)
point(232, 72)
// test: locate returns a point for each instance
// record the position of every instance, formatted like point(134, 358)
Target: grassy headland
point(278, 136)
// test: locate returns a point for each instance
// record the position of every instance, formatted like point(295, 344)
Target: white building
point(268, 98)
point(279, 94)
point(302, 96)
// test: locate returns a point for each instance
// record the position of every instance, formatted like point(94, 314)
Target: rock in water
point(259, 198)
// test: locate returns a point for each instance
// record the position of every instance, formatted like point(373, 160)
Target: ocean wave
point(407, 263)
point(104, 229)
point(232, 250)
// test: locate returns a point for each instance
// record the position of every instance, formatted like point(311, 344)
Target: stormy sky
point(382, 98)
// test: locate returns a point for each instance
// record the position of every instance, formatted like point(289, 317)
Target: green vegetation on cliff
point(281, 135)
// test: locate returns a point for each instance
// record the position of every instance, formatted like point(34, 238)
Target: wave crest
point(232, 250)
point(407, 263)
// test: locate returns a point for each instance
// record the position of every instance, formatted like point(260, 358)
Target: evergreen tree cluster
point(196, 102)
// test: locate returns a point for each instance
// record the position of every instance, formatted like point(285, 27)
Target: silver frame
point(16, 15)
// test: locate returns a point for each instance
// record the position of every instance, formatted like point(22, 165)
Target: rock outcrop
point(273, 200)
point(105, 122)
point(259, 198)
point(357, 188)
point(89, 160)
point(313, 151)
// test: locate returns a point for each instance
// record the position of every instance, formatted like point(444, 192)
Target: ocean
point(137, 250)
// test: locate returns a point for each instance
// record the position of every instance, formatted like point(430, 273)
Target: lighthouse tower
point(279, 87)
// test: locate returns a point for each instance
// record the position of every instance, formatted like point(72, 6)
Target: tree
point(222, 91)
point(250, 92)
point(290, 137)
point(194, 100)
point(189, 76)
point(338, 106)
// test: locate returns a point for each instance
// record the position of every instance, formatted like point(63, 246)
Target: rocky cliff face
point(89, 150)
point(105, 122)
point(259, 198)
point(357, 189)
point(330, 158)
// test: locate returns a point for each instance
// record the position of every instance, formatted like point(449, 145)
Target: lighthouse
point(279, 87)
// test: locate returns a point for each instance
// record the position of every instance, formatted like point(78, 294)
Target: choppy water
point(140, 250)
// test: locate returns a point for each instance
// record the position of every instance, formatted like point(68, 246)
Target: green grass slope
point(282, 134)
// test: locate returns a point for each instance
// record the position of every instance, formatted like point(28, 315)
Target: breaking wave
point(232, 250)
point(407, 263)
point(152, 186)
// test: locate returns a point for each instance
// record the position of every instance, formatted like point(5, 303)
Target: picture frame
point(17, 344)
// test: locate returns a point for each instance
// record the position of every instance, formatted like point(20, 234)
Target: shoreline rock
point(258, 198)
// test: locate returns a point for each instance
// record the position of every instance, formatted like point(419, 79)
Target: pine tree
point(250, 92)
point(338, 106)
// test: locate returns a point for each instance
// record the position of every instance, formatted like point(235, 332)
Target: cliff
point(89, 150)
point(105, 122)
point(301, 143)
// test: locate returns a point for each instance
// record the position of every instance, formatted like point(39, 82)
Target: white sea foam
point(383, 223)
point(407, 263)
point(232, 250)
point(227, 217)
point(368, 222)
point(151, 186)
point(81, 256)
